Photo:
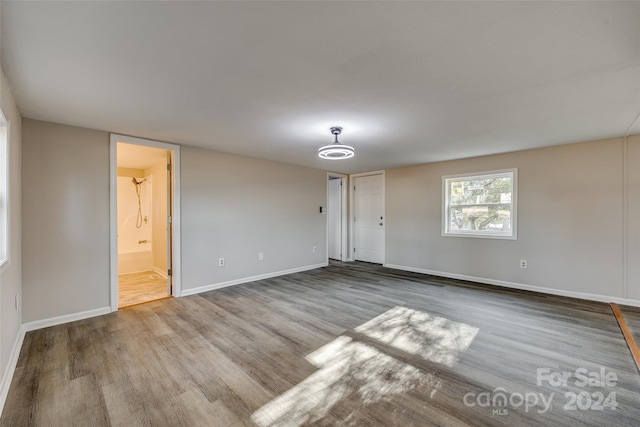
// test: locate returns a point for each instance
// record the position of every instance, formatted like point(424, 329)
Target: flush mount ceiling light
point(336, 151)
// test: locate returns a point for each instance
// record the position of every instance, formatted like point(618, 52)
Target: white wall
point(159, 215)
point(133, 256)
point(571, 220)
point(65, 173)
point(235, 207)
point(11, 276)
point(129, 235)
point(155, 230)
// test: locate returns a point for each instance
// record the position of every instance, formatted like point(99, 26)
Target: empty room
point(350, 213)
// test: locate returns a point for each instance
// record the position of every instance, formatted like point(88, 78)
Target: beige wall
point(570, 219)
point(232, 207)
point(65, 172)
point(235, 207)
point(159, 215)
point(11, 276)
point(632, 205)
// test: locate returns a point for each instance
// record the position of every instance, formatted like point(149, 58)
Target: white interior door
point(334, 218)
point(369, 218)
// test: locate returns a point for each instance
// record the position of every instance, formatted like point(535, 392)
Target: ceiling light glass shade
point(336, 151)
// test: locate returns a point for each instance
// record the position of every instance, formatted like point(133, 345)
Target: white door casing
point(169, 222)
point(175, 246)
point(334, 212)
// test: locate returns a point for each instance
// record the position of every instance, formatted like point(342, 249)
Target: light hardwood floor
point(136, 288)
point(349, 344)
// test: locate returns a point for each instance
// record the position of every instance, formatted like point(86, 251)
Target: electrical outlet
point(523, 263)
point(314, 249)
point(220, 262)
point(260, 256)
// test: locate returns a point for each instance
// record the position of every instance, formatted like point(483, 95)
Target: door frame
point(352, 205)
point(344, 217)
point(113, 212)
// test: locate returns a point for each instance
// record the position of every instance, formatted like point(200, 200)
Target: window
point(480, 205)
point(4, 180)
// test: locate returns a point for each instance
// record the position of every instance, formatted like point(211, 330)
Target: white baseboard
point(53, 321)
point(187, 292)
point(11, 367)
point(32, 326)
point(520, 286)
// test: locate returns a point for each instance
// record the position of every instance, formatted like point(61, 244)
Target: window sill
point(482, 236)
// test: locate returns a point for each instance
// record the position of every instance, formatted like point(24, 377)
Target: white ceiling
point(139, 156)
point(410, 82)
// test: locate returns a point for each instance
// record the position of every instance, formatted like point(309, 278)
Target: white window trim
point(5, 191)
point(485, 234)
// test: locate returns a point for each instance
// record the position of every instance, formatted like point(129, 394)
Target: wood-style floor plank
point(632, 316)
point(315, 348)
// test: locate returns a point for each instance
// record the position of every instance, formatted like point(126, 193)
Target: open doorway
point(143, 221)
point(337, 217)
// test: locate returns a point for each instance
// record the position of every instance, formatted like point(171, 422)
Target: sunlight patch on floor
point(346, 367)
point(433, 338)
point(352, 369)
